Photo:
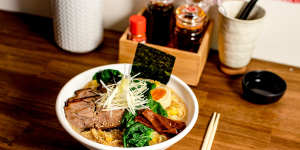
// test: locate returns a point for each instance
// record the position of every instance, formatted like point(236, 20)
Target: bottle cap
point(137, 24)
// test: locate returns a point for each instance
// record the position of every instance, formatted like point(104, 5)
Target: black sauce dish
point(263, 87)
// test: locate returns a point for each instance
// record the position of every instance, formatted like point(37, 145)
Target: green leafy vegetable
point(152, 64)
point(108, 76)
point(150, 87)
point(137, 135)
point(128, 119)
point(157, 108)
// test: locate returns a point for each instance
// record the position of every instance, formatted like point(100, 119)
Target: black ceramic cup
point(263, 87)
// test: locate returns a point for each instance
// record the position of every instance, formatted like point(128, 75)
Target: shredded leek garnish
point(128, 93)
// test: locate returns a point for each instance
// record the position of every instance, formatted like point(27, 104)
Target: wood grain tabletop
point(33, 69)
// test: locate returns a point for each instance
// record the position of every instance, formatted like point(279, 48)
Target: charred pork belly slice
point(160, 123)
point(144, 121)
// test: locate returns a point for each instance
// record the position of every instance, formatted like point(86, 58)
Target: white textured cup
point(236, 39)
point(77, 24)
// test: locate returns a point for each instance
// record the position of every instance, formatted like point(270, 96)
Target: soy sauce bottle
point(159, 15)
point(191, 21)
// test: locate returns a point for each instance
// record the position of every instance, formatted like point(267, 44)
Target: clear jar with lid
point(159, 15)
point(191, 22)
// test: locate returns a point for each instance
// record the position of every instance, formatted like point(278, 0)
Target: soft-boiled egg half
point(162, 94)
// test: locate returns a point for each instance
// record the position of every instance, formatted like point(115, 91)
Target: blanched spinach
point(108, 76)
point(128, 119)
point(157, 108)
point(137, 135)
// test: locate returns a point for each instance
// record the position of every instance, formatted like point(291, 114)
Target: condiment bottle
point(190, 25)
point(137, 30)
point(159, 15)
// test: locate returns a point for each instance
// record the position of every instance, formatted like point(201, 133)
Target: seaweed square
point(152, 64)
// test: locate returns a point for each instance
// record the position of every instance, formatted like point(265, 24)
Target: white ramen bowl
point(78, 82)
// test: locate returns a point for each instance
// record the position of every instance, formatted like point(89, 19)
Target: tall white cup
point(77, 24)
point(237, 38)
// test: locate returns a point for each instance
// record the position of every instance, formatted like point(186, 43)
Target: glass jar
point(191, 21)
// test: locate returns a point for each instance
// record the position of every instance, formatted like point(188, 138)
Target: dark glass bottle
point(159, 15)
point(191, 21)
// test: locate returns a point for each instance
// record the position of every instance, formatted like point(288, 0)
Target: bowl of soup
point(107, 108)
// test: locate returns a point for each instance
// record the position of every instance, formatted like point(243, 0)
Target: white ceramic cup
point(237, 38)
point(77, 24)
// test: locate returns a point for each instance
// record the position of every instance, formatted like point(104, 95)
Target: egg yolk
point(158, 93)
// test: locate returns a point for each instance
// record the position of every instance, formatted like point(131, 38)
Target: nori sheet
point(152, 64)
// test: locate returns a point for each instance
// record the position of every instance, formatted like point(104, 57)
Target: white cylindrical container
point(236, 38)
point(77, 24)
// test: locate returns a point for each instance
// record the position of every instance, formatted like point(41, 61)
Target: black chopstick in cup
point(245, 13)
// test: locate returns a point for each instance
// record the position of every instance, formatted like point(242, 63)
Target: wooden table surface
point(33, 69)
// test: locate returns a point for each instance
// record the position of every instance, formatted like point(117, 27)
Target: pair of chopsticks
point(211, 131)
point(246, 11)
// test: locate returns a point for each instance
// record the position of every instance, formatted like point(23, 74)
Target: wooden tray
point(188, 65)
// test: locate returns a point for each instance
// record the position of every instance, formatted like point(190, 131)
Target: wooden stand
point(188, 65)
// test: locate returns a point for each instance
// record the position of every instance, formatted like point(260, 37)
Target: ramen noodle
point(82, 114)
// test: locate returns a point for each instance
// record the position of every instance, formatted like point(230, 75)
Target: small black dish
point(263, 87)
